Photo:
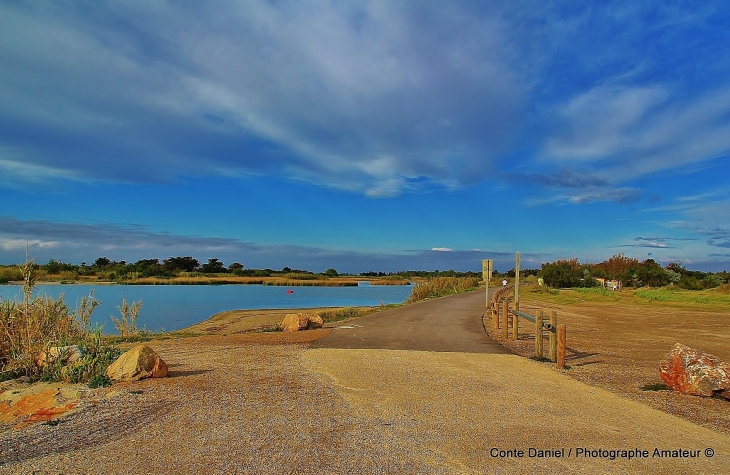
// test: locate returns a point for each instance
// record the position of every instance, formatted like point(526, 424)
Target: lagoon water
point(172, 307)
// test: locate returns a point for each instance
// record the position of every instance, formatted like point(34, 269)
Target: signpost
point(486, 275)
point(517, 281)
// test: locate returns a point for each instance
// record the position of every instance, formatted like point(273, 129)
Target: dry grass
point(441, 286)
point(35, 324)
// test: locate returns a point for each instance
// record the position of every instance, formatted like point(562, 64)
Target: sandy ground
point(618, 346)
point(266, 403)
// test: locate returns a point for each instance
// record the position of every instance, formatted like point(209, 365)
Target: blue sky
point(371, 135)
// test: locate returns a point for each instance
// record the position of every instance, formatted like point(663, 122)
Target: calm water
point(171, 307)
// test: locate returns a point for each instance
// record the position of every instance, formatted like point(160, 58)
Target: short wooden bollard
point(515, 323)
point(561, 346)
point(538, 334)
point(505, 313)
point(553, 340)
point(495, 317)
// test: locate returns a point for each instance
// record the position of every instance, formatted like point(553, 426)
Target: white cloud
point(631, 132)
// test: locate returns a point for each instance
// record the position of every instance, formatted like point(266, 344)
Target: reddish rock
point(693, 372)
point(138, 363)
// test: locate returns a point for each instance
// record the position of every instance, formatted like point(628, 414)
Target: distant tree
point(180, 264)
point(562, 273)
point(618, 267)
point(651, 273)
point(102, 262)
point(331, 272)
point(214, 266)
point(147, 268)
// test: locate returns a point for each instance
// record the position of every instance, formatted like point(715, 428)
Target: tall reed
point(30, 327)
point(440, 286)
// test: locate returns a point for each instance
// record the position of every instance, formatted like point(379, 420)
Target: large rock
point(316, 321)
point(693, 372)
point(65, 354)
point(300, 321)
point(138, 363)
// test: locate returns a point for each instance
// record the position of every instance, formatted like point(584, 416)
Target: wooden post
point(495, 317)
point(517, 281)
point(538, 334)
point(515, 324)
point(553, 335)
point(505, 312)
point(561, 346)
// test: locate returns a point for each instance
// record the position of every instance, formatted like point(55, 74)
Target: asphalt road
point(450, 324)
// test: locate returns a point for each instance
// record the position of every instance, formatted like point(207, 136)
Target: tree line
point(629, 271)
point(563, 273)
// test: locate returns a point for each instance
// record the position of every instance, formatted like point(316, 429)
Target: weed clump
point(30, 328)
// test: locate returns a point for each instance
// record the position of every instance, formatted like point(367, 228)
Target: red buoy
point(290, 291)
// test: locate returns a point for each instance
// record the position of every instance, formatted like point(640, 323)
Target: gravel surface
point(267, 404)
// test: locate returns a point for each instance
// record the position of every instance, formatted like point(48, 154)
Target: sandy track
point(235, 406)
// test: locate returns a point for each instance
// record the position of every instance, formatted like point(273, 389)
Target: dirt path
point(452, 323)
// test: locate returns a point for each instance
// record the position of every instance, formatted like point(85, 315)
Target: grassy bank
point(670, 297)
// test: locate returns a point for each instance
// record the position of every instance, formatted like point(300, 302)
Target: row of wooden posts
point(510, 317)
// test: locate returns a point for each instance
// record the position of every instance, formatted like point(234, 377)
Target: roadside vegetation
point(441, 286)
point(43, 339)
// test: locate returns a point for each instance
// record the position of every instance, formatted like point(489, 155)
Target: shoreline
point(222, 281)
point(238, 321)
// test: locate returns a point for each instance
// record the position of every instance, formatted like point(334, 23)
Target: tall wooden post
point(553, 336)
point(538, 334)
point(517, 281)
point(505, 312)
point(561, 346)
point(495, 317)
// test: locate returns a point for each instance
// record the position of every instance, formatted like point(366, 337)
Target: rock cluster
point(138, 363)
point(693, 372)
point(301, 321)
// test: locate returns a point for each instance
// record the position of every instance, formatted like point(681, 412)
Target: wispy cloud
point(360, 97)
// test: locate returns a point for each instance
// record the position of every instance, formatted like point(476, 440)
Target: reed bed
point(441, 286)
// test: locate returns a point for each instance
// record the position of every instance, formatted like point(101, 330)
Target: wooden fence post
point(553, 340)
point(495, 316)
point(561, 346)
point(505, 312)
point(515, 324)
point(538, 334)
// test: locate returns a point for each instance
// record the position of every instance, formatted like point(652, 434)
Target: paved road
point(452, 323)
